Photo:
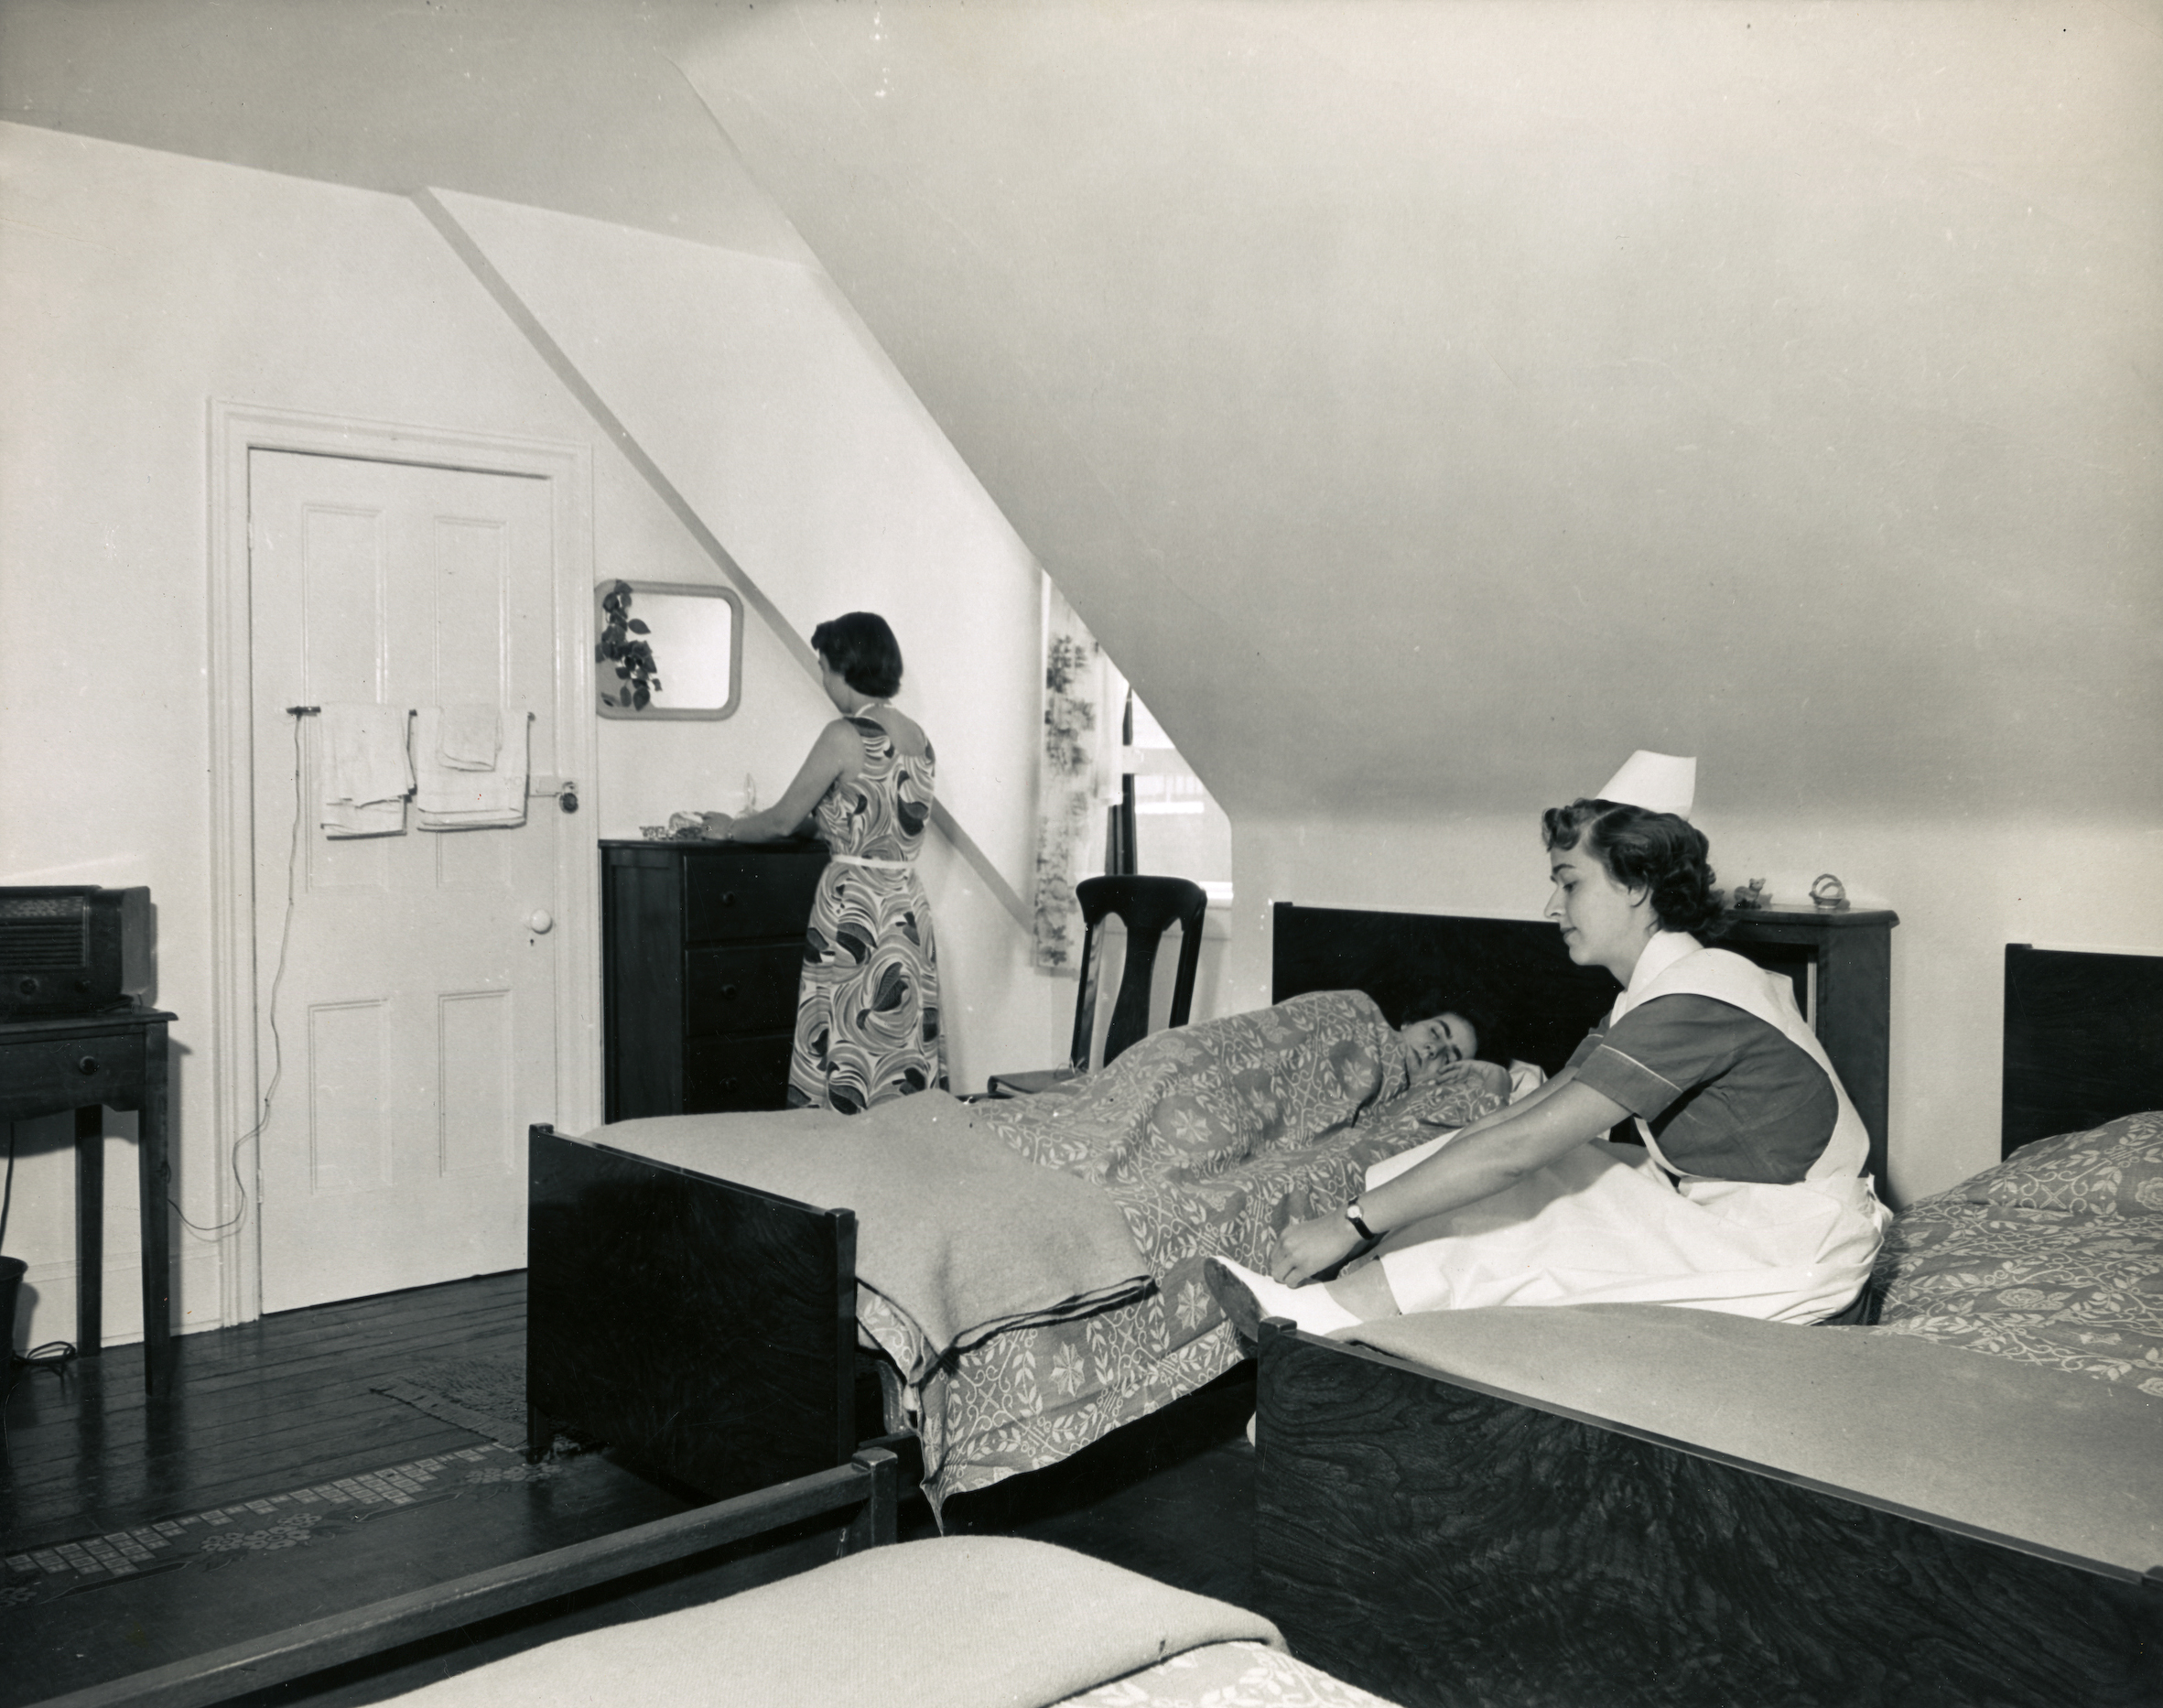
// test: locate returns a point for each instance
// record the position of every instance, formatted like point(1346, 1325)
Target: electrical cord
point(277, 1048)
point(56, 1355)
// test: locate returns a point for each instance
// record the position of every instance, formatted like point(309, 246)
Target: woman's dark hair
point(862, 648)
point(1658, 852)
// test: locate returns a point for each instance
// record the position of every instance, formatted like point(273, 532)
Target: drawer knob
point(87, 1067)
point(728, 898)
point(728, 992)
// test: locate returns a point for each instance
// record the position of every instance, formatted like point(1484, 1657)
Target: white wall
point(1962, 891)
point(759, 399)
point(138, 286)
point(1419, 400)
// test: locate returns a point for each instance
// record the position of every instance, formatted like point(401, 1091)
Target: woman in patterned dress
point(867, 1014)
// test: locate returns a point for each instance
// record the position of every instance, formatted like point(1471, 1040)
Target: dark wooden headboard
point(1512, 978)
point(1515, 980)
point(2083, 1040)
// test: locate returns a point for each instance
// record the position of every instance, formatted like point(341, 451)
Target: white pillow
point(1525, 1076)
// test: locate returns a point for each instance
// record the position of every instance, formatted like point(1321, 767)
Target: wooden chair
point(1147, 907)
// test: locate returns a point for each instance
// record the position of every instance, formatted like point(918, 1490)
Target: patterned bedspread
point(2053, 1257)
point(1227, 1675)
point(1208, 1137)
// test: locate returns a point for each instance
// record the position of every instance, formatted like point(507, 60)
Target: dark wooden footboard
point(868, 1484)
point(1441, 1543)
point(706, 1328)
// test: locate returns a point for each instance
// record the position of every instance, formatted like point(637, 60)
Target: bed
point(1959, 1504)
point(951, 1622)
point(739, 1299)
point(948, 1622)
point(713, 1316)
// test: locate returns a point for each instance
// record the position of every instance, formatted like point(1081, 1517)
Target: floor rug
point(484, 1394)
point(226, 1535)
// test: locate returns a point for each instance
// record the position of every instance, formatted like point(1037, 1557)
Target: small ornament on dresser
point(1751, 895)
point(1828, 893)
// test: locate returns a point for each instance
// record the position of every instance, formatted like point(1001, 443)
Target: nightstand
point(1841, 960)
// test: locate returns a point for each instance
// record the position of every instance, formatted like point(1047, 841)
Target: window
point(1179, 829)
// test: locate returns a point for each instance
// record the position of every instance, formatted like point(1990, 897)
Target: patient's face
point(1431, 1045)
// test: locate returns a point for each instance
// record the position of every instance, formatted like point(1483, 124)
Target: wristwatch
point(1359, 1227)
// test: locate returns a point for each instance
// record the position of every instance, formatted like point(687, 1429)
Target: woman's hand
point(1305, 1249)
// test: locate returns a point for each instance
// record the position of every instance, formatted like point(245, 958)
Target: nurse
point(1746, 1195)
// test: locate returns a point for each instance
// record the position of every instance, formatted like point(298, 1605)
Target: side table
point(1850, 952)
point(90, 1062)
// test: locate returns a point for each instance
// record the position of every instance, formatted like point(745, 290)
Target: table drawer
point(766, 895)
point(751, 989)
point(41, 1075)
point(724, 1073)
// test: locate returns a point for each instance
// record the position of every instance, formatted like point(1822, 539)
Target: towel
point(378, 818)
point(948, 1622)
point(366, 774)
point(449, 799)
point(956, 1230)
point(472, 736)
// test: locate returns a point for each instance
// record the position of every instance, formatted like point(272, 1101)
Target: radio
point(72, 949)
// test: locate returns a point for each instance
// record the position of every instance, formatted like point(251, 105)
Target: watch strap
point(1359, 1227)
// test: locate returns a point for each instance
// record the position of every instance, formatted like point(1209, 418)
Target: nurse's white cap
point(1660, 783)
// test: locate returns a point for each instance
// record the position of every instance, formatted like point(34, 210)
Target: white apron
point(1603, 1225)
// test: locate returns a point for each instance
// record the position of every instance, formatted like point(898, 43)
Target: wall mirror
point(667, 649)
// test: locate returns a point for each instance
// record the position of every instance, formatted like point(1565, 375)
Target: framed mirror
point(667, 649)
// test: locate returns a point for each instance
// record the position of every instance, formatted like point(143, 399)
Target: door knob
point(538, 921)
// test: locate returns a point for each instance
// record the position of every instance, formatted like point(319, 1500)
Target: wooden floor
point(286, 1403)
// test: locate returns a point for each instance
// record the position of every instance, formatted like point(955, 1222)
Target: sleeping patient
point(1438, 1042)
point(1221, 1093)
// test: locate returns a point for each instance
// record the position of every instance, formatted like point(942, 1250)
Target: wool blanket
point(954, 1622)
point(961, 1233)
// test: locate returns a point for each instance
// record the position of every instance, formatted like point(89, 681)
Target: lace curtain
point(1079, 777)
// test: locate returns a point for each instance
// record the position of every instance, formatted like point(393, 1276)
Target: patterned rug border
point(221, 1536)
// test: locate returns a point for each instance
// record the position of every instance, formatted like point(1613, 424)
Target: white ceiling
point(1427, 404)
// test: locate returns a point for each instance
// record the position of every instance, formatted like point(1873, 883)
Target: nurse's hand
point(1305, 1249)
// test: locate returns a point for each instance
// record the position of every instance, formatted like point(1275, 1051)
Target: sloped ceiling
point(1427, 404)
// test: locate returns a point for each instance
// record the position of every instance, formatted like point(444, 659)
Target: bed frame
point(1509, 1520)
point(862, 1493)
point(708, 1329)
point(1439, 1541)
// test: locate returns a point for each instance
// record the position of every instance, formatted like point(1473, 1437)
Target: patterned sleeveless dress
point(868, 1011)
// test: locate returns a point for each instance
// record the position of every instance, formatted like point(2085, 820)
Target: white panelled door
point(411, 1031)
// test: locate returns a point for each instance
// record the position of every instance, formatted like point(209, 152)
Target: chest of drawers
point(701, 948)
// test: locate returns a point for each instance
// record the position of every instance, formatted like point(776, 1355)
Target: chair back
point(1147, 907)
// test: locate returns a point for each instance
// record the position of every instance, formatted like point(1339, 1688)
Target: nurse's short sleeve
point(1663, 1048)
point(1586, 1045)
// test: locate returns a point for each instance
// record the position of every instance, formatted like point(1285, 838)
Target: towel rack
point(309, 711)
